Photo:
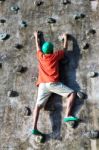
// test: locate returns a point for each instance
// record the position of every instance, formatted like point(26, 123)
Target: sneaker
point(70, 118)
point(38, 133)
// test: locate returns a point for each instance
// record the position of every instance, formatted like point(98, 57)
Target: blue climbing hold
point(51, 20)
point(15, 8)
point(3, 36)
point(23, 24)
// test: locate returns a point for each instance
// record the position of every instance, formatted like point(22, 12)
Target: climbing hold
point(40, 33)
point(38, 2)
point(2, 20)
point(60, 38)
point(65, 2)
point(3, 57)
point(47, 36)
point(0, 65)
point(27, 111)
point(37, 139)
point(81, 95)
point(23, 24)
point(82, 15)
point(13, 93)
point(91, 31)
point(4, 36)
point(21, 69)
point(93, 134)
point(79, 16)
point(92, 74)
point(39, 136)
point(2, 1)
point(18, 46)
point(76, 17)
point(70, 124)
point(86, 46)
point(51, 20)
point(15, 9)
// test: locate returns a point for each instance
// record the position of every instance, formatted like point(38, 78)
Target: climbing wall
point(18, 72)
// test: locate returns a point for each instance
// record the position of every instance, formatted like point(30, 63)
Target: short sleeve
point(60, 54)
point(39, 54)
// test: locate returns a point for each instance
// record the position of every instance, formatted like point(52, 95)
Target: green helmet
point(47, 48)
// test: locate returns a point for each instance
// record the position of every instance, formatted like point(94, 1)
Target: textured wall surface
point(18, 72)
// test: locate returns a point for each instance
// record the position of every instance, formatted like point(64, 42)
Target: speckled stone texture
point(80, 19)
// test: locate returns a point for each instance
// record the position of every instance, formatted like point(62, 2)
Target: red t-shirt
point(48, 65)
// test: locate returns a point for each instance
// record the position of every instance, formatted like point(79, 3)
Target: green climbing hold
point(47, 36)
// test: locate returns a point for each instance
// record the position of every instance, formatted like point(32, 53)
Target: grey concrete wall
point(18, 73)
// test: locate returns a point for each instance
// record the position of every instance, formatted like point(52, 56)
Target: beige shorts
point(46, 89)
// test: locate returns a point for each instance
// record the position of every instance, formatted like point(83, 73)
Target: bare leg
point(70, 102)
point(36, 116)
point(35, 131)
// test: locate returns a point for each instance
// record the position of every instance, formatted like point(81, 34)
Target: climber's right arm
point(65, 43)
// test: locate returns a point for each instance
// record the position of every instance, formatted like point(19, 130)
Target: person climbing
point(48, 80)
